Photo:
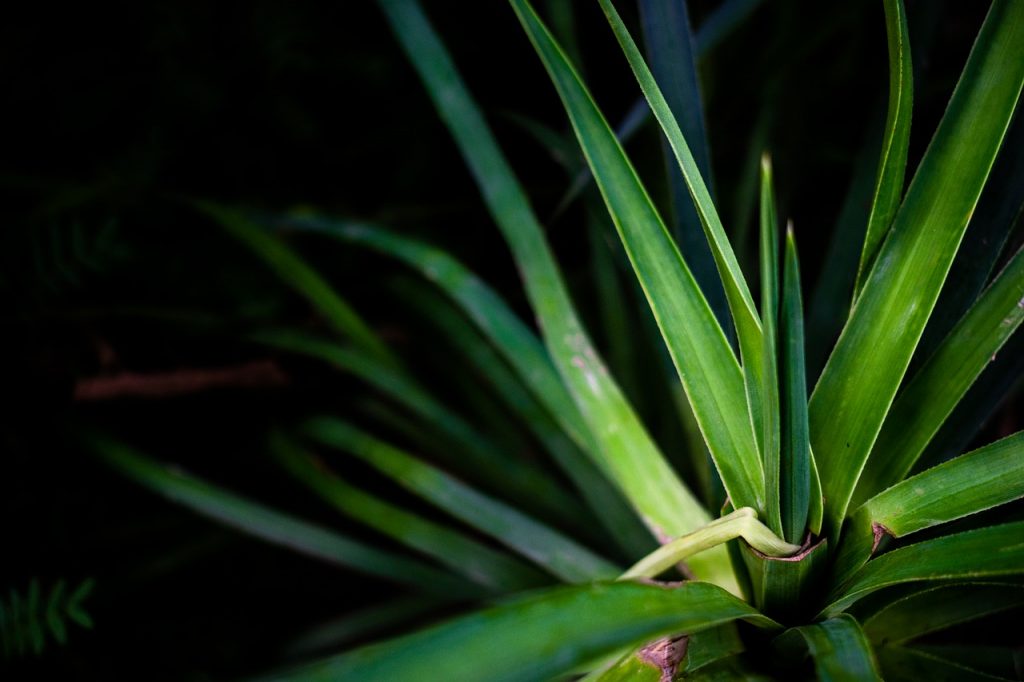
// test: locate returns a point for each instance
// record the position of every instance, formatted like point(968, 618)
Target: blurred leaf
point(275, 527)
point(476, 455)
point(670, 50)
point(604, 500)
point(913, 665)
point(297, 274)
point(461, 554)
point(547, 548)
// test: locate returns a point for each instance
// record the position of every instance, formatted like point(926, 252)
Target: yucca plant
point(798, 540)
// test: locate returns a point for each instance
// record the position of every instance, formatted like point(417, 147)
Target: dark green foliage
point(30, 619)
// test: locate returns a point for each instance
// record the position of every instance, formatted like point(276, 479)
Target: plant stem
point(741, 523)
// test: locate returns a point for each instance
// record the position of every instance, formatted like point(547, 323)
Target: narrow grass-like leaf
point(763, 390)
point(865, 369)
point(746, 193)
point(941, 382)
point(626, 452)
point(547, 548)
point(670, 49)
point(715, 28)
point(986, 552)
point(604, 500)
point(938, 608)
point(631, 123)
point(275, 527)
point(480, 458)
point(516, 343)
point(906, 664)
point(795, 459)
point(721, 22)
point(298, 275)
point(971, 483)
point(893, 164)
point(741, 304)
point(539, 636)
point(1000, 662)
point(703, 358)
point(475, 561)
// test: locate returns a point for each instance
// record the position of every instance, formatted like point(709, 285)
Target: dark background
point(116, 113)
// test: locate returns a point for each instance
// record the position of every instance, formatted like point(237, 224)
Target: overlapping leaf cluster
point(808, 554)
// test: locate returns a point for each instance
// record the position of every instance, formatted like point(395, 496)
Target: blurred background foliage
point(117, 112)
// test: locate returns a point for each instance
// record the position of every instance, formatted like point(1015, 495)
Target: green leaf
point(53, 608)
point(840, 650)
point(999, 209)
point(1001, 662)
point(626, 451)
point(865, 369)
point(763, 390)
point(35, 628)
point(475, 561)
point(716, 27)
point(893, 164)
point(913, 665)
point(741, 304)
point(796, 487)
point(979, 405)
point(938, 608)
point(476, 454)
point(670, 49)
point(273, 526)
point(721, 22)
point(604, 500)
point(516, 343)
point(980, 480)
point(74, 603)
point(986, 552)
point(294, 272)
point(816, 513)
point(703, 358)
point(539, 636)
point(944, 379)
point(547, 548)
